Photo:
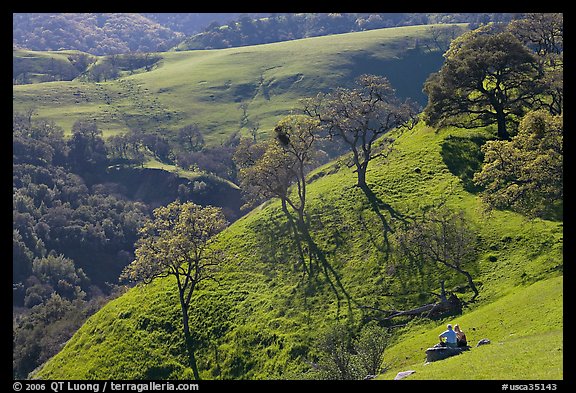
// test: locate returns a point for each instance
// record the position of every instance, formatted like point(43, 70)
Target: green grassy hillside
point(45, 66)
point(207, 86)
point(525, 328)
point(261, 319)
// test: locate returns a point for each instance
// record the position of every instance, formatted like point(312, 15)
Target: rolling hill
point(261, 320)
point(208, 86)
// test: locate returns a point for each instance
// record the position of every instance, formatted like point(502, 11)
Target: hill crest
point(186, 87)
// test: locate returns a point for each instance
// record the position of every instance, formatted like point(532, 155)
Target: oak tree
point(177, 242)
point(525, 174)
point(544, 34)
point(488, 77)
point(361, 115)
point(269, 169)
point(442, 237)
point(190, 137)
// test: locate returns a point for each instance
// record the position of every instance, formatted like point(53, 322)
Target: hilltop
point(290, 26)
point(114, 33)
point(262, 319)
point(185, 87)
point(96, 33)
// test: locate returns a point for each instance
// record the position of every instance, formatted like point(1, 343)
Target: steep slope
point(208, 86)
point(261, 319)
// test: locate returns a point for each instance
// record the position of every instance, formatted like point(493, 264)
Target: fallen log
point(451, 305)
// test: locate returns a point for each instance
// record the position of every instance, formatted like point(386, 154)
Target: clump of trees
point(71, 238)
point(511, 76)
point(246, 30)
point(95, 33)
point(491, 77)
point(354, 118)
point(185, 149)
point(114, 33)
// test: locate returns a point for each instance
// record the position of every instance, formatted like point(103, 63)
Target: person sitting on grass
point(460, 337)
point(450, 336)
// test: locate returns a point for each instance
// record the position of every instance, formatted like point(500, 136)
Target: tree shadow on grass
point(280, 241)
point(463, 157)
point(378, 206)
point(274, 245)
point(329, 273)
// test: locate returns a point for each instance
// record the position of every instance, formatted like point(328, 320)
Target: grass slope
point(260, 321)
point(525, 328)
point(207, 86)
point(42, 66)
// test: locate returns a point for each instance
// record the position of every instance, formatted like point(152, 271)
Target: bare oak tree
point(270, 169)
point(360, 116)
point(443, 237)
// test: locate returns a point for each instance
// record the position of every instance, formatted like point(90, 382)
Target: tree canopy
point(72, 235)
point(526, 173)
point(488, 77)
point(543, 32)
point(176, 243)
point(267, 169)
point(359, 116)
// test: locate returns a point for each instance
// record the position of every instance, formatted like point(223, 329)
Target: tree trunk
point(450, 305)
point(470, 283)
point(501, 120)
point(188, 338)
point(361, 170)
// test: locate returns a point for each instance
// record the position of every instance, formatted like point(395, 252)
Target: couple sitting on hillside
point(453, 338)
